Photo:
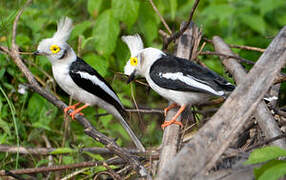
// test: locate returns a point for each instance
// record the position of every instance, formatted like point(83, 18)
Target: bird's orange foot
point(168, 123)
point(73, 107)
point(74, 113)
point(169, 108)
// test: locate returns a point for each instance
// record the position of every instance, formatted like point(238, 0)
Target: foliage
point(272, 169)
point(98, 25)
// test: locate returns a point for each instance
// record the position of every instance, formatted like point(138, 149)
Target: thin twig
point(177, 34)
point(227, 56)
point(266, 141)
point(88, 127)
point(114, 161)
point(160, 16)
point(49, 151)
point(249, 48)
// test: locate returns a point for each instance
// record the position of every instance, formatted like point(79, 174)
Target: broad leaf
point(98, 63)
point(106, 31)
point(254, 21)
point(79, 29)
point(272, 170)
point(94, 7)
point(265, 154)
point(126, 10)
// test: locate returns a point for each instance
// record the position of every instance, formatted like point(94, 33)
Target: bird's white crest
point(64, 29)
point(134, 43)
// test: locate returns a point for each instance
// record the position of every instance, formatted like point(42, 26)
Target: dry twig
point(160, 16)
point(176, 35)
point(88, 128)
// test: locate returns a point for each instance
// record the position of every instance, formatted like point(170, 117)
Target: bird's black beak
point(36, 53)
point(131, 77)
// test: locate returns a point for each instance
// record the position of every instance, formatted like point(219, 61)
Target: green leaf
point(94, 7)
point(106, 31)
point(266, 6)
point(79, 29)
point(173, 4)
point(265, 154)
point(255, 22)
point(147, 23)
point(126, 10)
point(98, 63)
point(272, 170)
point(5, 126)
point(63, 151)
point(105, 120)
point(40, 111)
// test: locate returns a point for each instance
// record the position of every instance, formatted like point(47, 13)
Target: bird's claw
point(74, 113)
point(168, 123)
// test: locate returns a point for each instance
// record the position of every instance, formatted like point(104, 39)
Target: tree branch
point(262, 114)
point(88, 128)
point(176, 35)
point(207, 145)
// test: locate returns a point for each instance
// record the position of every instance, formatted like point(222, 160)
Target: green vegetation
point(98, 26)
point(272, 168)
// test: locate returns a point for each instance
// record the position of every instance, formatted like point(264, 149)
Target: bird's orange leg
point(169, 107)
point(78, 111)
point(174, 119)
point(73, 107)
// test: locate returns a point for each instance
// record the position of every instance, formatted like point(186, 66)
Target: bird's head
point(55, 48)
point(141, 59)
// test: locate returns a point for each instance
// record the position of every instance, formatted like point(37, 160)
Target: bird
point(78, 79)
point(178, 80)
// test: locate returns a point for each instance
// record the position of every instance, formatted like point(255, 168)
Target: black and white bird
point(80, 80)
point(179, 80)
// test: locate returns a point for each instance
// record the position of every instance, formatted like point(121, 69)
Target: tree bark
point(202, 152)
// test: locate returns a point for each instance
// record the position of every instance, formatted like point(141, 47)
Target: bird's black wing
point(175, 73)
point(90, 80)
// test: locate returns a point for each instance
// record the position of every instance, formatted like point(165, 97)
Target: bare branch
point(266, 141)
point(249, 48)
point(160, 16)
point(176, 35)
point(113, 161)
point(88, 128)
point(207, 145)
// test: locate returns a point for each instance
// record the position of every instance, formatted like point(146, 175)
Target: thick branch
point(263, 116)
point(202, 152)
point(171, 136)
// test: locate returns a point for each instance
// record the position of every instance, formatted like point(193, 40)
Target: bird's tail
point(136, 141)
point(122, 115)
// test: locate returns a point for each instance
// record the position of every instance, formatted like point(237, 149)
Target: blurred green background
point(98, 26)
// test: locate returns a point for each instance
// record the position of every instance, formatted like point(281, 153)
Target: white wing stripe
point(189, 80)
point(98, 82)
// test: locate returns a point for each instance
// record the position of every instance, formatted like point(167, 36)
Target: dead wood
point(262, 114)
point(202, 152)
point(171, 136)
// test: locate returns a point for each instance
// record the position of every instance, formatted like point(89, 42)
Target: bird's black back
point(172, 64)
point(81, 66)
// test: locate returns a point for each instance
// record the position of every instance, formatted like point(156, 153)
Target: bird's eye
point(55, 49)
point(133, 61)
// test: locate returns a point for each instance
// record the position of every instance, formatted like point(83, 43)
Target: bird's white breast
point(64, 80)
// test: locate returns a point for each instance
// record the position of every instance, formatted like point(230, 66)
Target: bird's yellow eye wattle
point(133, 61)
point(55, 49)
